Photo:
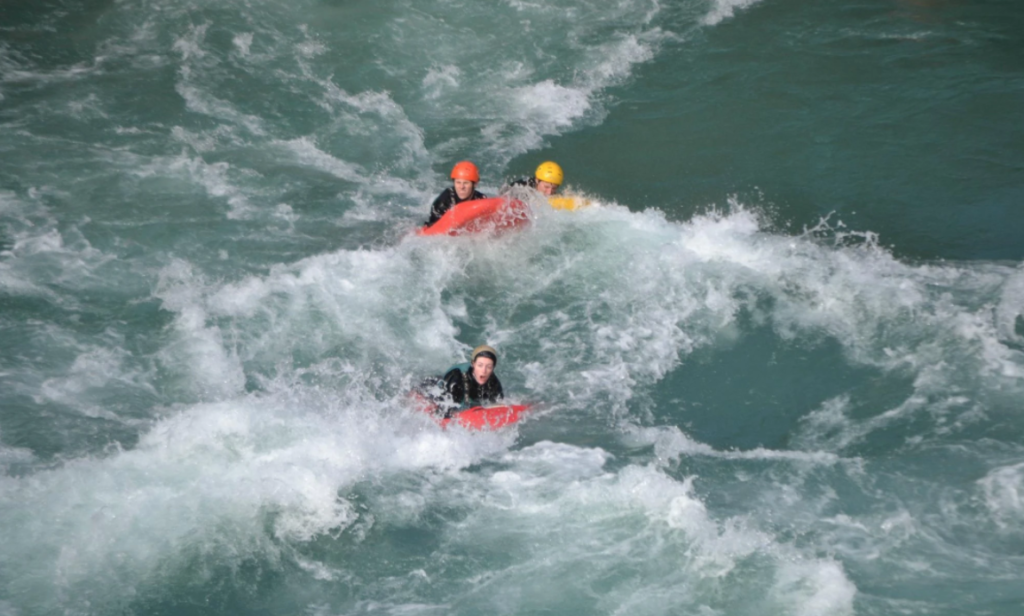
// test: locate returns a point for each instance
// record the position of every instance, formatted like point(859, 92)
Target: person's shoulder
point(456, 369)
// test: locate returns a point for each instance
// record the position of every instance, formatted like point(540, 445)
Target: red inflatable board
point(487, 417)
point(493, 214)
point(477, 417)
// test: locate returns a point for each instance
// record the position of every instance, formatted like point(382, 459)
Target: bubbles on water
point(243, 42)
point(1003, 488)
point(556, 519)
point(725, 9)
point(306, 153)
point(441, 78)
point(814, 589)
point(216, 484)
point(1009, 311)
point(272, 388)
point(12, 461)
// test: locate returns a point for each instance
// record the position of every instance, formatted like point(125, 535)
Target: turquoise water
point(778, 362)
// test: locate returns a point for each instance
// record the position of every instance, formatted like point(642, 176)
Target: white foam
point(637, 294)
point(198, 98)
point(207, 480)
point(375, 118)
point(848, 291)
point(617, 58)
point(541, 107)
point(524, 97)
point(215, 178)
point(439, 79)
point(620, 298)
point(88, 108)
point(665, 290)
point(829, 427)
point(616, 298)
point(725, 9)
point(243, 42)
point(18, 69)
point(549, 105)
point(213, 370)
point(310, 49)
point(377, 305)
point(95, 370)
point(10, 456)
point(191, 45)
point(305, 152)
point(44, 258)
point(818, 588)
point(200, 101)
point(1010, 309)
point(586, 523)
point(1003, 489)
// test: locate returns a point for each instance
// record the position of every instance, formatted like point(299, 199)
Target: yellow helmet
point(549, 172)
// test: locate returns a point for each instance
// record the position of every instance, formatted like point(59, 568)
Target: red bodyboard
point(488, 417)
point(477, 417)
point(493, 214)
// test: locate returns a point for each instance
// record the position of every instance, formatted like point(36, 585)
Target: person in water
point(464, 179)
point(546, 179)
point(467, 385)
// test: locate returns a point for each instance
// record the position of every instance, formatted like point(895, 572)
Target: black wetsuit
point(446, 200)
point(458, 389)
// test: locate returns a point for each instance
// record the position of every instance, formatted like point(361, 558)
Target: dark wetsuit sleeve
point(454, 385)
point(445, 201)
point(442, 204)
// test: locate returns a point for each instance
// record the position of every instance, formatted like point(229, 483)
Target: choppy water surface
point(778, 362)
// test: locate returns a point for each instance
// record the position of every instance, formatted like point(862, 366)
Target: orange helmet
point(465, 170)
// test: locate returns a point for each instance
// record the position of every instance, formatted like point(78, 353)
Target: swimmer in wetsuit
point(464, 179)
point(466, 385)
point(546, 179)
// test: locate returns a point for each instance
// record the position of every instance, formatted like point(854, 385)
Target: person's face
point(482, 369)
point(546, 187)
point(463, 188)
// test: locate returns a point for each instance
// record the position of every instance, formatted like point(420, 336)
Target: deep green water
point(779, 361)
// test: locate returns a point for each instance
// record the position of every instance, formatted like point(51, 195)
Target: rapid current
point(777, 364)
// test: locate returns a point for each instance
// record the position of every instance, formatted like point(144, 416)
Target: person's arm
point(454, 386)
point(442, 204)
